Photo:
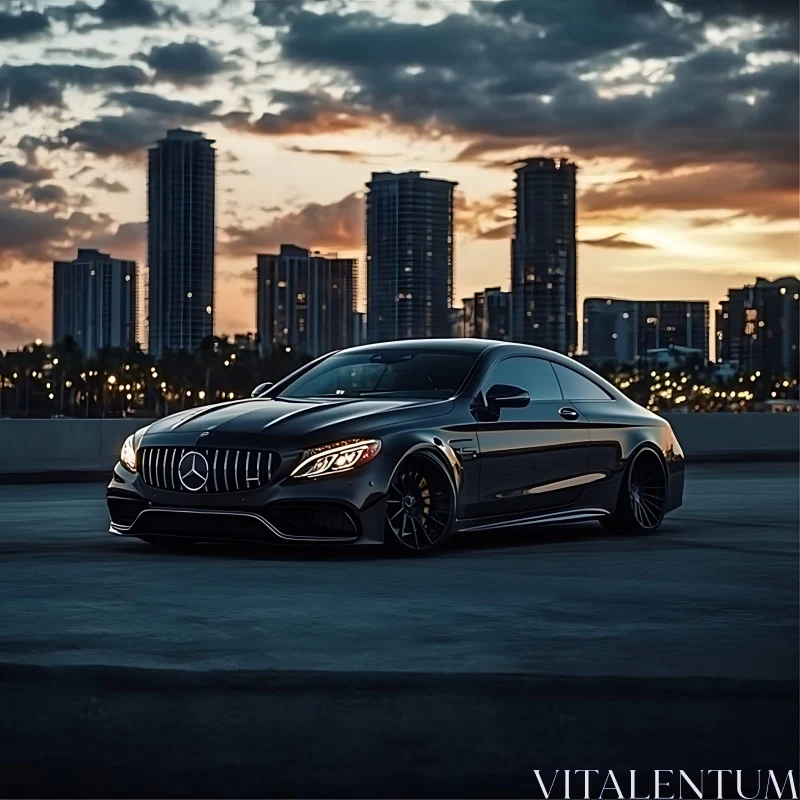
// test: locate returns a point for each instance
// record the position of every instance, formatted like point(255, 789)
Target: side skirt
point(554, 518)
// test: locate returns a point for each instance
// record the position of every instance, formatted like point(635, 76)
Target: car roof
point(463, 345)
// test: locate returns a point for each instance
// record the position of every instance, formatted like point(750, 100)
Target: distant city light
point(201, 394)
point(38, 342)
point(112, 379)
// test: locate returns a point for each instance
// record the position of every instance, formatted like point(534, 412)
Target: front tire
point(642, 500)
point(420, 506)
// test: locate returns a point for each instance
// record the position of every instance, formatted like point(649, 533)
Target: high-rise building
point(94, 301)
point(180, 241)
point(544, 262)
point(631, 330)
point(409, 256)
point(305, 301)
point(758, 327)
point(487, 314)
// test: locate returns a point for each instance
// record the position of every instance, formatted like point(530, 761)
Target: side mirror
point(260, 389)
point(503, 396)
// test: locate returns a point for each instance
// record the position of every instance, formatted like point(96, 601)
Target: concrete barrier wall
point(63, 446)
point(728, 437)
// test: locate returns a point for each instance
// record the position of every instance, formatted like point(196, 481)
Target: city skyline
point(682, 194)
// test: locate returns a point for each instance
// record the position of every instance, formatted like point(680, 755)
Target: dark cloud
point(48, 194)
point(41, 85)
point(16, 332)
point(131, 133)
point(768, 191)
point(26, 25)
point(347, 155)
point(617, 241)
point(306, 113)
point(11, 171)
point(503, 232)
point(187, 63)
point(519, 75)
point(156, 104)
point(115, 187)
point(112, 14)
point(79, 52)
point(338, 225)
point(129, 240)
point(126, 135)
point(43, 235)
point(275, 13)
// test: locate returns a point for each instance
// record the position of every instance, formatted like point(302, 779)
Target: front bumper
point(347, 509)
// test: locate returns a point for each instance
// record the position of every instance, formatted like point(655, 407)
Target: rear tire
point(420, 505)
point(642, 500)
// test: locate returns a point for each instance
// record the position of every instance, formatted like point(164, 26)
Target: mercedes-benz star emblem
point(193, 471)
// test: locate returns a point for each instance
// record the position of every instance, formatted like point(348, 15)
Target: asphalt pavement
point(129, 671)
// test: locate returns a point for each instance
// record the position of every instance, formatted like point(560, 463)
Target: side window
point(576, 387)
point(535, 375)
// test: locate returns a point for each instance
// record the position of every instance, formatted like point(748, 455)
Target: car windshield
point(391, 373)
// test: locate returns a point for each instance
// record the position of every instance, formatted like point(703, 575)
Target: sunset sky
point(681, 117)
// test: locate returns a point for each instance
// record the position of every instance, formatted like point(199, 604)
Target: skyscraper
point(94, 301)
point(409, 256)
point(180, 241)
point(758, 327)
point(486, 315)
point(544, 266)
point(627, 330)
point(305, 301)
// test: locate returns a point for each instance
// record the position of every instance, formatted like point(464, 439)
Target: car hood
point(295, 418)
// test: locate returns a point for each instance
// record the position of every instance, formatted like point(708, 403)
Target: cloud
point(537, 73)
point(617, 241)
point(11, 171)
point(503, 232)
point(768, 191)
point(307, 113)
point(336, 226)
point(115, 187)
point(186, 64)
point(43, 235)
point(130, 133)
point(26, 25)
point(112, 14)
point(156, 104)
point(346, 155)
point(276, 12)
point(37, 86)
point(128, 240)
point(48, 194)
point(16, 332)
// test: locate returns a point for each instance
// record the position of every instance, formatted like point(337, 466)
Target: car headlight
point(128, 454)
point(337, 457)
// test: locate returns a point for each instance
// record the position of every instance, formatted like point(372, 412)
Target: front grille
point(229, 470)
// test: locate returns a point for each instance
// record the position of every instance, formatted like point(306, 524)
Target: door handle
point(568, 413)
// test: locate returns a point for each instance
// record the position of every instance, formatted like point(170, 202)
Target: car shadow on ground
point(463, 544)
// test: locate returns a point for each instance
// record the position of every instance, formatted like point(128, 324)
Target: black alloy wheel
point(643, 496)
point(420, 506)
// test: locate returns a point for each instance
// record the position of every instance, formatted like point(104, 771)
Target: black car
point(406, 443)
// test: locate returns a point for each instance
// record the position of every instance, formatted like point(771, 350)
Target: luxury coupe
point(405, 443)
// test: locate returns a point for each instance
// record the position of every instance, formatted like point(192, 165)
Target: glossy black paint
point(511, 462)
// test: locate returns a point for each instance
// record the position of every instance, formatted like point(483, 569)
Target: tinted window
point(535, 375)
point(576, 387)
point(391, 373)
